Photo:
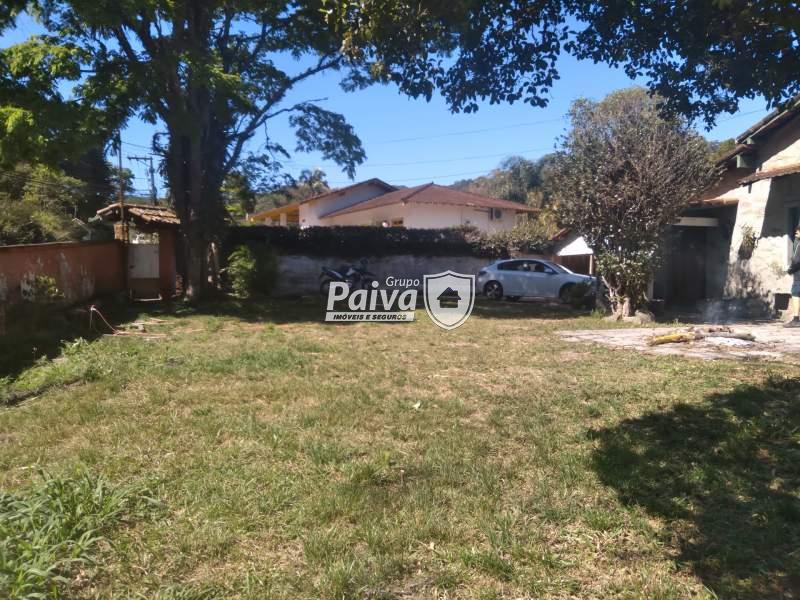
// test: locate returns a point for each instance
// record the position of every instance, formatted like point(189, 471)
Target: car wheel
point(493, 290)
point(564, 292)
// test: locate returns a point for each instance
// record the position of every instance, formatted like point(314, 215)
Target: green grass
point(56, 528)
point(290, 458)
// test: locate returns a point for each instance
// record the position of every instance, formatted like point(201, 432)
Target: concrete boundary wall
point(81, 269)
point(299, 275)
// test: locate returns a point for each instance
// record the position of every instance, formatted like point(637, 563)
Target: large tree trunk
point(196, 265)
point(622, 304)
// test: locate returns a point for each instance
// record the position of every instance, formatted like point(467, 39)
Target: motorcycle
point(354, 276)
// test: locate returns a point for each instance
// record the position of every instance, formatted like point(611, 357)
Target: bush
point(242, 271)
point(357, 241)
point(581, 296)
point(252, 268)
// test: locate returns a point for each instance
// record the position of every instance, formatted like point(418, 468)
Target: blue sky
point(409, 142)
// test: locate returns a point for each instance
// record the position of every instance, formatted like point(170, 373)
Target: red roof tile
point(375, 181)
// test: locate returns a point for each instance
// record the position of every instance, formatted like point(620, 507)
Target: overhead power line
point(82, 186)
point(469, 131)
point(426, 178)
point(437, 160)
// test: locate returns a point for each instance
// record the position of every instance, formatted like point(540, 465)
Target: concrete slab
point(773, 342)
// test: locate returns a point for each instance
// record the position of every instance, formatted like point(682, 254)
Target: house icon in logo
point(449, 298)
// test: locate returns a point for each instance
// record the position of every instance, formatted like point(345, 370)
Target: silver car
point(528, 278)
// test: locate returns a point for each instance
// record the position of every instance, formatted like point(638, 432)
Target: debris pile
point(692, 334)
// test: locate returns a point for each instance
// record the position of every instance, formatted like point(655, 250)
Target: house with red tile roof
point(377, 203)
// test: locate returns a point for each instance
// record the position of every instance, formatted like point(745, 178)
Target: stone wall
point(765, 214)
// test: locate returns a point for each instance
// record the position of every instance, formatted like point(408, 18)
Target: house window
point(397, 222)
point(495, 214)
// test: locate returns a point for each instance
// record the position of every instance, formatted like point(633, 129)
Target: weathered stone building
point(731, 250)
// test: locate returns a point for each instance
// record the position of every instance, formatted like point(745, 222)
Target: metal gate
point(143, 270)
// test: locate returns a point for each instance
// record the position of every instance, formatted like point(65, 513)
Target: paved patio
point(772, 342)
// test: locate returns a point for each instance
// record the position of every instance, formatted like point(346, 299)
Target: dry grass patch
point(297, 459)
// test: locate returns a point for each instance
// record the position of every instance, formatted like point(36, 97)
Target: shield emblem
point(449, 298)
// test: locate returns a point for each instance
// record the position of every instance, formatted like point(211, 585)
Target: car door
point(544, 281)
point(511, 278)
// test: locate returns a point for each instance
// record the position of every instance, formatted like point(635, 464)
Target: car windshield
point(559, 268)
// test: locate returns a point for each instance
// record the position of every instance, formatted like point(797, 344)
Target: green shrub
point(55, 527)
point(580, 295)
point(252, 268)
point(242, 271)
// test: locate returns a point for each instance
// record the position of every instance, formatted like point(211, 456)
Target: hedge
point(358, 241)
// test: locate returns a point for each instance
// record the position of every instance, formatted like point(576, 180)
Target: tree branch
point(262, 115)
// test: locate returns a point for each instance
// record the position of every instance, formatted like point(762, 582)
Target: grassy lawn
point(256, 452)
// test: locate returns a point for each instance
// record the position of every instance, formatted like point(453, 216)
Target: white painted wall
point(574, 246)
point(428, 216)
point(781, 149)
point(299, 275)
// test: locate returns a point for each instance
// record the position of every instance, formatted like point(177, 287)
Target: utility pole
point(148, 160)
point(121, 190)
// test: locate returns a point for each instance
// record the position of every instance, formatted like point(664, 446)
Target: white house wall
point(781, 149)
point(766, 213)
point(431, 216)
point(427, 216)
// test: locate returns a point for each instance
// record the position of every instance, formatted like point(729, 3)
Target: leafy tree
point(240, 198)
point(309, 183)
point(623, 175)
point(720, 149)
point(517, 179)
point(700, 58)
point(39, 204)
point(211, 72)
point(99, 180)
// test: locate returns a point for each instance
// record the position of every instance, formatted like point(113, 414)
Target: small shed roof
point(147, 215)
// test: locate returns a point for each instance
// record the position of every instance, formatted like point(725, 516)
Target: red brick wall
point(81, 269)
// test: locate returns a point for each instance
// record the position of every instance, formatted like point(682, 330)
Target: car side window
point(511, 265)
point(541, 268)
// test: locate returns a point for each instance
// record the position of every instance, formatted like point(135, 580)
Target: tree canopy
point(623, 175)
point(516, 179)
point(700, 58)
